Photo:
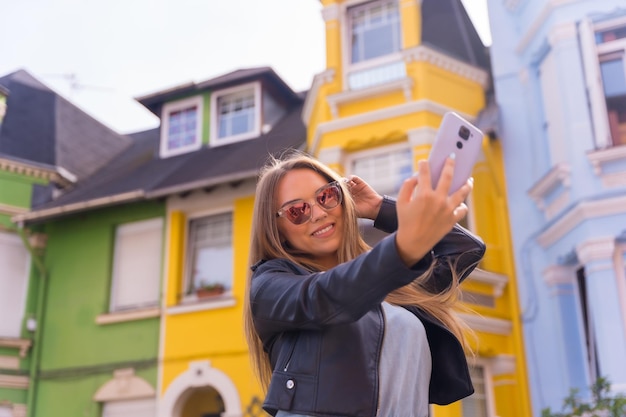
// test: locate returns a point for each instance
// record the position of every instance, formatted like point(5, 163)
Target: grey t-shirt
point(405, 366)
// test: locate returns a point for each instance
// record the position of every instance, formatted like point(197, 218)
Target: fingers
point(447, 173)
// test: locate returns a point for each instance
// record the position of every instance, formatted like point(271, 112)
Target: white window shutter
point(14, 270)
point(137, 264)
point(593, 79)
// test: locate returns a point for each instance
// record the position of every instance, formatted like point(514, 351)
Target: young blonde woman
point(337, 328)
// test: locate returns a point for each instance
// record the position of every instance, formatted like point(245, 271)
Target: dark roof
point(155, 101)
point(140, 174)
point(42, 127)
point(447, 27)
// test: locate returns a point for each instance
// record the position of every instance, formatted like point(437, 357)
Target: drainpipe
point(39, 309)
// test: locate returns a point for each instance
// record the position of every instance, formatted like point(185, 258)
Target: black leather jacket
point(324, 330)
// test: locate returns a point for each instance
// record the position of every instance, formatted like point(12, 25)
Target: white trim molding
point(130, 315)
point(214, 139)
point(488, 324)
point(200, 374)
point(425, 54)
point(606, 156)
point(64, 177)
point(497, 281)
point(558, 274)
point(332, 155)
point(325, 77)
point(585, 210)
point(502, 365)
point(22, 344)
point(559, 175)
point(14, 381)
point(196, 102)
point(404, 85)
point(421, 136)
point(598, 249)
point(375, 116)
point(330, 12)
point(124, 386)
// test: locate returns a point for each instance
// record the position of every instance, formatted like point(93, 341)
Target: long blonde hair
point(266, 244)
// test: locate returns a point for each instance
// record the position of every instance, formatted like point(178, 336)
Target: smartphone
point(456, 135)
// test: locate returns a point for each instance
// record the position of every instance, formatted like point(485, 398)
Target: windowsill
point(550, 193)
point(404, 84)
point(22, 344)
point(615, 157)
point(497, 281)
point(129, 315)
point(191, 304)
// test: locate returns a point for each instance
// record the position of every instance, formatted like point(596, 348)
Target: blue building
point(559, 73)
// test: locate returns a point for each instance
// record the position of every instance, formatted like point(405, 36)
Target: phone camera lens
point(459, 144)
point(464, 132)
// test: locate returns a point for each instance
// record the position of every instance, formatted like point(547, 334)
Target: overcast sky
point(101, 54)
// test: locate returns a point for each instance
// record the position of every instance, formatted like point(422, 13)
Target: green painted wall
point(78, 355)
point(15, 190)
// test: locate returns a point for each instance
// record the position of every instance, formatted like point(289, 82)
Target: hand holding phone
point(455, 135)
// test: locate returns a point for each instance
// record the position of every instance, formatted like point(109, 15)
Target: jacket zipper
point(293, 348)
point(380, 352)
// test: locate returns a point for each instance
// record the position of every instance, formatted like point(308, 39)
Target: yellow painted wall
point(217, 334)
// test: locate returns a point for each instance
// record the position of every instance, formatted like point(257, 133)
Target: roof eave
point(39, 216)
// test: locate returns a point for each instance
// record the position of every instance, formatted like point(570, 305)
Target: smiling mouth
point(324, 230)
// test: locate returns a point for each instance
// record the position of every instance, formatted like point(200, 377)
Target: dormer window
point(373, 40)
point(181, 126)
point(236, 114)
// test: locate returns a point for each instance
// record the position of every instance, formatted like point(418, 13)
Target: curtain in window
point(210, 242)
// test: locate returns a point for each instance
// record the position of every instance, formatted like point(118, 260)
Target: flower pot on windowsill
point(208, 291)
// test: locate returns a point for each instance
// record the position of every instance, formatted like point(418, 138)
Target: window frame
point(215, 140)
point(605, 52)
point(373, 152)
point(367, 64)
point(188, 295)
point(174, 106)
point(489, 400)
point(131, 227)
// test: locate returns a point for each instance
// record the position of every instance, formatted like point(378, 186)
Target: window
point(210, 257)
point(235, 114)
point(373, 42)
point(384, 169)
point(15, 261)
point(375, 30)
point(477, 405)
point(590, 339)
point(137, 265)
point(130, 408)
point(603, 46)
point(181, 126)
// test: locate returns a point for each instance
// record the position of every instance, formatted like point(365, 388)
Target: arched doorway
point(201, 389)
point(202, 402)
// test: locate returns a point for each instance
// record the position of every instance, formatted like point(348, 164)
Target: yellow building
point(393, 68)
point(214, 137)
